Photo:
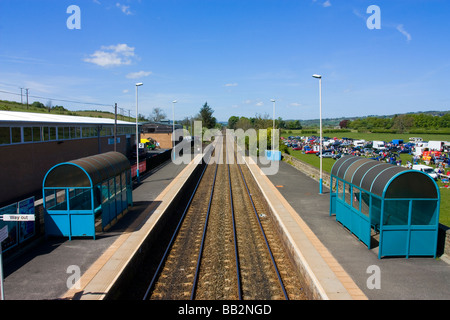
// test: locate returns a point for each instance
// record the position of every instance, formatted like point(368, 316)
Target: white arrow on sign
point(18, 217)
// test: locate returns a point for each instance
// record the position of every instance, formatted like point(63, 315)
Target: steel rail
point(197, 269)
point(263, 233)
point(174, 236)
point(236, 250)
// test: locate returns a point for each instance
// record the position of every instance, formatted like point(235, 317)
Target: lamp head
point(317, 76)
point(139, 84)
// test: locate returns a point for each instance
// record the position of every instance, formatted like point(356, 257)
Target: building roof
point(18, 118)
point(86, 172)
point(383, 179)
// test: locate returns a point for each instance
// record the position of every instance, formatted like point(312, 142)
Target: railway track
point(225, 246)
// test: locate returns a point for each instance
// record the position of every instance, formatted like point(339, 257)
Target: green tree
point(205, 115)
point(232, 122)
point(157, 115)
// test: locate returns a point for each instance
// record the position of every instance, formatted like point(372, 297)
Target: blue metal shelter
point(80, 192)
point(399, 205)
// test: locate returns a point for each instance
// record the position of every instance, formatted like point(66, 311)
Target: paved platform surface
point(44, 271)
point(416, 278)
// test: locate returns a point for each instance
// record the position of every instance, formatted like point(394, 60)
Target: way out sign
point(18, 217)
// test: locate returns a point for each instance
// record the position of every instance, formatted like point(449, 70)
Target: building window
point(37, 134)
point(27, 134)
point(66, 133)
point(52, 133)
point(5, 135)
point(16, 135)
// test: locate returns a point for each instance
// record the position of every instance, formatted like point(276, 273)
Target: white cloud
point(112, 56)
point(295, 104)
point(231, 85)
point(326, 4)
point(404, 32)
point(140, 74)
point(125, 9)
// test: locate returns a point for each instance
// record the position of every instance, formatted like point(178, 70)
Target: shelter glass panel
point(376, 211)
point(365, 203)
point(80, 199)
point(341, 192)
point(55, 199)
point(356, 198)
point(348, 194)
point(105, 192)
point(396, 212)
point(111, 188)
point(423, 212)
point(124, 181)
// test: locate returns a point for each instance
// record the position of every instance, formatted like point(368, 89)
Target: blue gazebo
point(399, 205)
point(80, 192)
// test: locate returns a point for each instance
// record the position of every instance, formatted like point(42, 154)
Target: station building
point(160, 132)
point(32, 143)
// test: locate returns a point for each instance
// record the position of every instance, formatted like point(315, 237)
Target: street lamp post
point(137, 133)
point(173, 127)
point(320, 119)
point(273, 126)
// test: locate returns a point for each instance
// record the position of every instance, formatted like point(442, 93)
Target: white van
point(359, 143)
point(428, 170)
point(379, 145)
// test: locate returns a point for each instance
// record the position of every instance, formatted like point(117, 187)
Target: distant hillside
point(332, 122)
point(38, 107)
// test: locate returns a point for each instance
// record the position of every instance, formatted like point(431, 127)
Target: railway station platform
point(343, 262)
point(415, 278)
point(43, 272)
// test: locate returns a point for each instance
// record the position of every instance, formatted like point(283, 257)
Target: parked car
point(325, 155)
point(428, 170)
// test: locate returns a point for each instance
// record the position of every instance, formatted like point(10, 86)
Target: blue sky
point(234, 54)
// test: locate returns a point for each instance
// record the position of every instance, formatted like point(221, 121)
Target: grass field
point(444, 216)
